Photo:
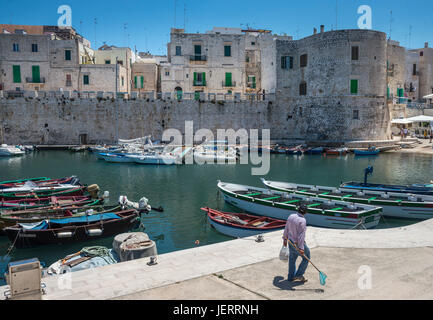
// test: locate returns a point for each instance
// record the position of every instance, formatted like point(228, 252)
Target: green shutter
point(387, 92)
point(228, 79)
point(197, 50)
point(254, 82)
point(204, 78)
point(67, 54)
point(17, 74)
point(142, 80)
point(35, 74)
point(85, 79)
point(195, 78)
point(227, 51)
point(135, 82)
point(354, 86)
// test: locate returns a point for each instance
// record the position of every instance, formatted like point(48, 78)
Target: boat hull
point(237, 232)
point(33, 238)
point(312, 219)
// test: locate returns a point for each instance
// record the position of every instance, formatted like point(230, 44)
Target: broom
point(322, 276)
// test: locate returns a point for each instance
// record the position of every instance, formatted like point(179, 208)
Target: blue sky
point(149, 22)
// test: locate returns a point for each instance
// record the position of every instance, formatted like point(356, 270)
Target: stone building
point(55, 60)
point(223, 60)
point(146, 76)
point(340, 74)
point(420, 71)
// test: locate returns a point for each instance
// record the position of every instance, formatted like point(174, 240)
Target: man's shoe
point(299, 279)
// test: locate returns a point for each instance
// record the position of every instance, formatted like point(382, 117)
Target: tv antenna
point(95, 22)
point(390, 26)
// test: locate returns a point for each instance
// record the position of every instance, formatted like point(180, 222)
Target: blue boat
point(366, 152)
point(319, 150)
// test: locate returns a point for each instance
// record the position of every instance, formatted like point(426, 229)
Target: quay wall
point(60, 120)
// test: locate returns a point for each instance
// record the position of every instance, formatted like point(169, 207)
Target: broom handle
point(303, 255)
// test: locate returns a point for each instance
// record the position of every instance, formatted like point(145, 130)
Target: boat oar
point(322, 276)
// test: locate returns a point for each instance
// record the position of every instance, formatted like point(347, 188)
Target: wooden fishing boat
point(280, 205)
point(426, 189)
point(241, 225)
point(295, 151)
point(366, 152)
point(12, 217)
point(73, 229)
point(38, 182)
point(278, 150)
point(49, 202)
point(13, 182)
point(396, 205)
point(58, 191)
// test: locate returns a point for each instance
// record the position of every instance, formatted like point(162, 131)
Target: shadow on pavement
point(283, 284)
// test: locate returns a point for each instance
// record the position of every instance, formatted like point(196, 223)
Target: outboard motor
point(75, 181)
point(367, 171)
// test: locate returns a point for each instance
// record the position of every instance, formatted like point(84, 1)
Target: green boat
point(396, 205)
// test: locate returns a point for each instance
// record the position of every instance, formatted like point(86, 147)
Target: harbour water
point(183, 190)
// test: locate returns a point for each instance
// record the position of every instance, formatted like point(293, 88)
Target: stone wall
point(62, 121)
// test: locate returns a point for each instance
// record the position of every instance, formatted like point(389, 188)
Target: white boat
point(115, 157)
point(10, 151)
point(280, 205)
point(395, 205)
point(154, 158)
point(214, 155)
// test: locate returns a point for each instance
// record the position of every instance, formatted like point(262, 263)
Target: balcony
point(251, 85)
point(198, 83)
point(228, 84)
point(31, 80)
point(197, 58)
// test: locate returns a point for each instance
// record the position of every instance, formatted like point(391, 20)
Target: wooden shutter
point(204, 79)
point(228, 79)
point(354, 86)
point(35, 74)
point(135, 82)
point(142, 80)
point(17, 74)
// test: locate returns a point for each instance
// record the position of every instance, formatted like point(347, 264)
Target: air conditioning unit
point(24, 280)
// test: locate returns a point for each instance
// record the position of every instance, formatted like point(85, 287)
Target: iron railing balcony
point(199, 83)
point(197, 57)
point(31, 80)
point(228, 84)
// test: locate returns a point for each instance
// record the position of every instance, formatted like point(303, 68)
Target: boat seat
point(335, 209)
point(252, 194)
point(371, 199)
point(324, 194)
point(289, 202)
point(272, 198)
point(314, 205)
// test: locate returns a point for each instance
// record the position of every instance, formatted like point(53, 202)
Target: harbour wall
point(60, 120)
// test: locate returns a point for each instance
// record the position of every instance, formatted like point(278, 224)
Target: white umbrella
point(421, 119)
point(400, 121)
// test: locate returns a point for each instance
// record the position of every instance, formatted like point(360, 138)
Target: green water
point(183, 190)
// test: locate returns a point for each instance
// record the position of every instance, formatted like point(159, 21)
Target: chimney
point(322, 28)
point(315, 31)
point(426, 45)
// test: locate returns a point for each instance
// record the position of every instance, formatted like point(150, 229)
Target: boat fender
point(361, 193)
point(94, 232)
point(412, 198)
point(385, 196)
point(66, 234)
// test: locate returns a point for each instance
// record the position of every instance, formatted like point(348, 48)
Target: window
point(16, 47)
point(283, 62)
point(138, 82)
point(86, 79)
point(120, 62)
point(197, 50)
point(167, 73)
point(16, 74)
point(286, 62)
point(68, 80)
point(251, 83)
point(303, 60)
point(199, 78)
point(68, 55)
point(34, 47)
point(178, 50)
point(355, 114)
point(107, 61)
point(123, 81)
point(303, 88)
point(247, 59)
point(228, 82)
point(355, 53)
point(253, 43)
point(354, 86)
point(421, 53)
point(227, 51)
point(414, 70)
point(36, 74)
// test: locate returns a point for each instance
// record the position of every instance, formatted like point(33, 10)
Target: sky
point(145, 25)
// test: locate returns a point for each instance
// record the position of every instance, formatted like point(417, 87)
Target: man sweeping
point(295, 230)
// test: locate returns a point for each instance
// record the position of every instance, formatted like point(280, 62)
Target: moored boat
point(38, 182)
point(73, 229)
point(396, 205)
point(10, 151)
point(336, 152)
point(116, 157)
point(241, 225)
point(426, 189)
point(63, 190)
point(295, 151)
point(313, 151)
point(280, 205)
point(366, 152)
point(154, 158)
point(49, 202)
